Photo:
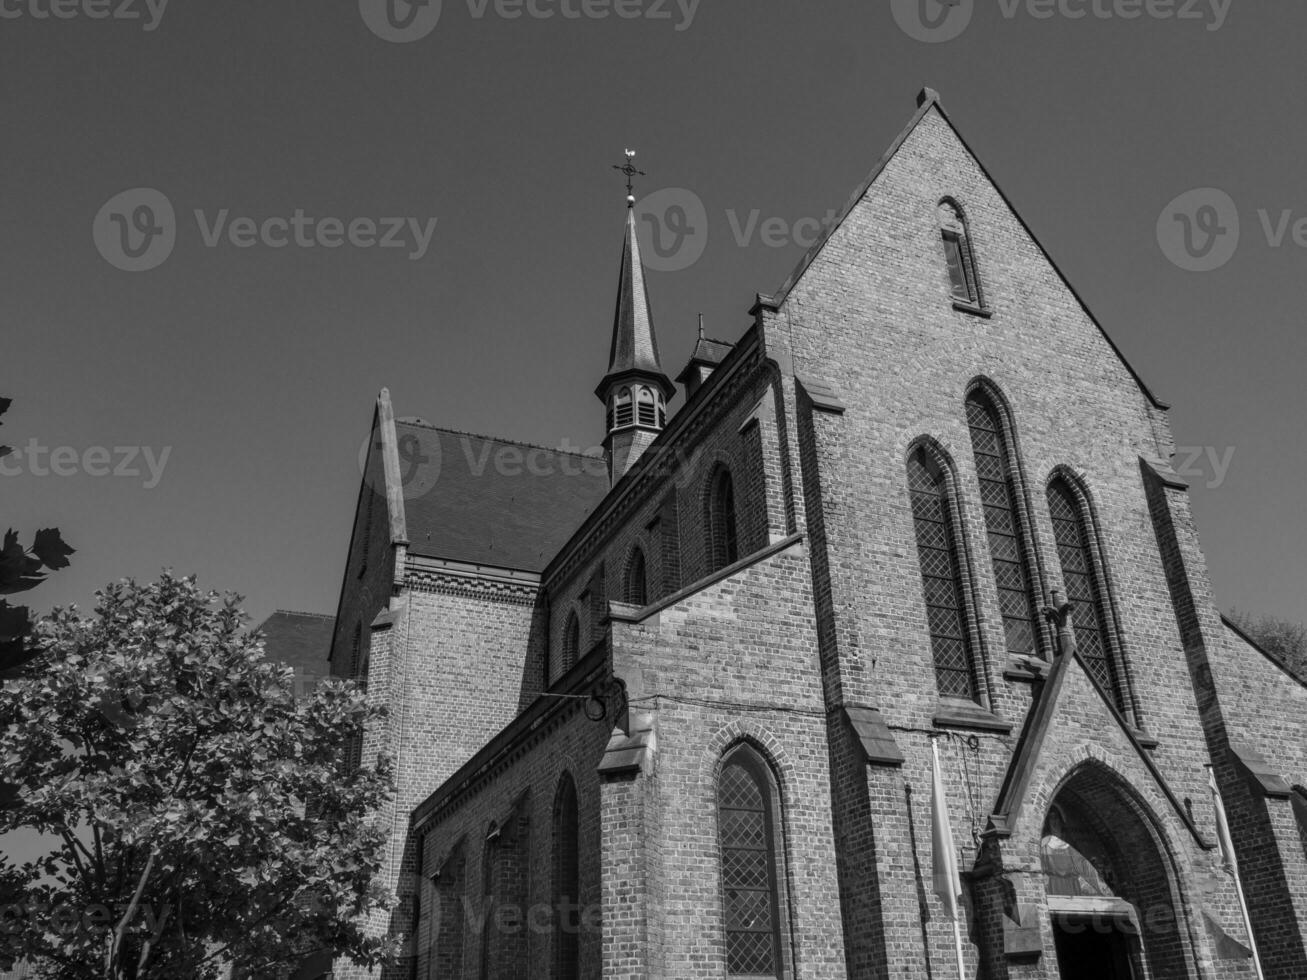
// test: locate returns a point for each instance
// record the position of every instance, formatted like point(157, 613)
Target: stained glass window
point(941, 580)
point(998, 496)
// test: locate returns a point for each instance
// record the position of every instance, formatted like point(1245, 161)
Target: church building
point(891, 652)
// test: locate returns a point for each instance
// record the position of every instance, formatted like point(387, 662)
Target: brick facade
point(814, 650)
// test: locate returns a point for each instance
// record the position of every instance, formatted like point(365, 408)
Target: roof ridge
point(502, 439)
point(297, 612)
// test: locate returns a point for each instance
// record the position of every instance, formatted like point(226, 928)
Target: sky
point(207, 413)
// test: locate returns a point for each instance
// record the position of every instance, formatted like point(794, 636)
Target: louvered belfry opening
point(1003, 527)
point(1084, 588)
point(749, 875)
point(937, 551)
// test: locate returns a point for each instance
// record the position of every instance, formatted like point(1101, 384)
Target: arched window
point(748, 815)
point(623, 411)
point(958, 254)
point(646, 407)
point(566, 882)
point(1004, 523)
point(571, 642)
point(941, 577)
point(636, 591)
point(723, 543)
point(1085, 589)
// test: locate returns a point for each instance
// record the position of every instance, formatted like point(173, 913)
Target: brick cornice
point(471, 581)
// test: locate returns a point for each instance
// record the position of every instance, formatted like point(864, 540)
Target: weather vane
point(628, 168)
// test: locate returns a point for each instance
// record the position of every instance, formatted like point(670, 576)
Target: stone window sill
point(952, 713)
point(962, 306)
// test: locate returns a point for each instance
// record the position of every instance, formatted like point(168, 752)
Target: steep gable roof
point(487, 501)
point(927, 101)
point(300, 640)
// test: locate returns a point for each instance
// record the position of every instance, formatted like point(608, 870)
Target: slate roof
point(706, 351)
point(634, 350)
point(487, 501)
point(300, 640)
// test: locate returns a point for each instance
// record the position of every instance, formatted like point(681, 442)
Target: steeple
point(635, 390)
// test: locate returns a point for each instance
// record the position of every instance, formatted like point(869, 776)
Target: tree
point(1283, 639)
point(22, 569)
point(201, 810)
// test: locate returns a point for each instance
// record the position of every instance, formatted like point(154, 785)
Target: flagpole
point(1227, 845)
point(942, 823)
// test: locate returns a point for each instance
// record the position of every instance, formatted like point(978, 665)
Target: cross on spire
point(628, 168)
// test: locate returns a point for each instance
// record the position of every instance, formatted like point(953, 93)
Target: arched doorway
point(1109, 884)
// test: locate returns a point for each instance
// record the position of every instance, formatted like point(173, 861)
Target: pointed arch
point(1101, 843)
point(635, 583)
point(1086, 580)
point(959, 254)
point(955, 641)
point(1009, 529)
point(565, 882)
point(722, 520)
point(754, 888)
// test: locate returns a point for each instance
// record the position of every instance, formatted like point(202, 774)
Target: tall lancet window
point(748, 815)
point(571, 642)
point(941, 578)
point(723, 542)
point(959, 255)
point(566, 881)
point(1082, 576)
point(636, 591)
point(1004, 522)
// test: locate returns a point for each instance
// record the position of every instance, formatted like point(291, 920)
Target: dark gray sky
point(256, 368)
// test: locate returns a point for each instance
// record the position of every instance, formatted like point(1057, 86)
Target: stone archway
point(1110, 884)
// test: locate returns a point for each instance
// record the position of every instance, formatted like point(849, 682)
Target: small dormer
point(708, 353)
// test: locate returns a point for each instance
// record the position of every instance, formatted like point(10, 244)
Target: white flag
point(1223, 827)
point(948, 883)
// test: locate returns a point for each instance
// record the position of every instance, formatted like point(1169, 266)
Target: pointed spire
point(634, 348)
point(635, 391)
